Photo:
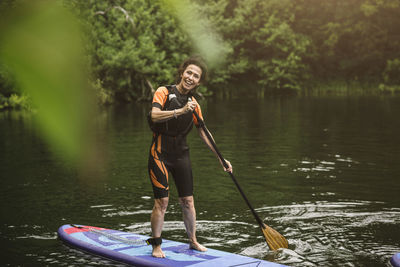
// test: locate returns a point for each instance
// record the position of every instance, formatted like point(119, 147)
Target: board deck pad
point(100, 242)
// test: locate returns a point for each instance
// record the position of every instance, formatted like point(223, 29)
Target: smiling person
point(171, 119)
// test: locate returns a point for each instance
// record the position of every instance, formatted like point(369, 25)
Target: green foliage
point(391, 74)
point(41, 45)
point(15, 101)
point(103, 96)
point(391, 77)
point(279, 45)
point(3, 102)
point(350, 39)
point(205, 40)
point(132, 44)
point(263, 44)
point(7, 81)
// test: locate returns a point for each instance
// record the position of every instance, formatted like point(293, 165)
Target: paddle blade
point(274, 239)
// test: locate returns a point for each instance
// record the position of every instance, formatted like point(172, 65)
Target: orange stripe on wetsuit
point(155, 150)
point(160, 96)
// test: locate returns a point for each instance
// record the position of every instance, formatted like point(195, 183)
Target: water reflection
point(327, 179)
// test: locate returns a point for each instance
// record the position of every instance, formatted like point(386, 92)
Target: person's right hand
point(189, 107)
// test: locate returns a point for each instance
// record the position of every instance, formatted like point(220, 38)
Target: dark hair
point(193, 60)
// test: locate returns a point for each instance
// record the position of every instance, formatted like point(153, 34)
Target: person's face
point(190, 78)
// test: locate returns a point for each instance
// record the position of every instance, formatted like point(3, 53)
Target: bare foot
point(157, 252)
point(196, 246)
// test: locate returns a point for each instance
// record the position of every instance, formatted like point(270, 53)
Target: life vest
point(175, 126)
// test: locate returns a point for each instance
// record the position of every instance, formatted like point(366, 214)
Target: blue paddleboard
point(395, 260)
point(131, 249)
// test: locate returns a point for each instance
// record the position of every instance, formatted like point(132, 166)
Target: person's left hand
point(229, 169)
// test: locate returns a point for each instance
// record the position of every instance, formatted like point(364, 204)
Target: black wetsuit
point(169, 152)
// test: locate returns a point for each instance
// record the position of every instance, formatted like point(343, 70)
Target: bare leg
point(189, 218)
point(157, 222)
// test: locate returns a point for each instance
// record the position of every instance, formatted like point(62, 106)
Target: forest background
point(305, 47)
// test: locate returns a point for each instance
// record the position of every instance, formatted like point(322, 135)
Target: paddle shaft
point(203, 126)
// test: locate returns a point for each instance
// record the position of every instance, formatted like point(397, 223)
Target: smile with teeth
point(189, 83)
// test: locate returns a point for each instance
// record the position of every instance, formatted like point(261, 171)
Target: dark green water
point(324, 172)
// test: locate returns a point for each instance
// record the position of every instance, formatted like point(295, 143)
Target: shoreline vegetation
point(104, 98)
point(130, 47)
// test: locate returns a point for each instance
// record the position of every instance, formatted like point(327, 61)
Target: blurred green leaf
point(41, 43)
point(206, 41)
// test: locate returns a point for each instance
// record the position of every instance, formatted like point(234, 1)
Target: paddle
point(274, 239)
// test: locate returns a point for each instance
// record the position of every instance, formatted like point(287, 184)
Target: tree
point(264, 45)
point(132, 45)
point(350, 39)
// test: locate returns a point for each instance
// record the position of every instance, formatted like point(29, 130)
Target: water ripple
point(330, 233)
point(320, 233)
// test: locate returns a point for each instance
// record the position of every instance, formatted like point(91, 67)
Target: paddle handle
point(203, 126)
